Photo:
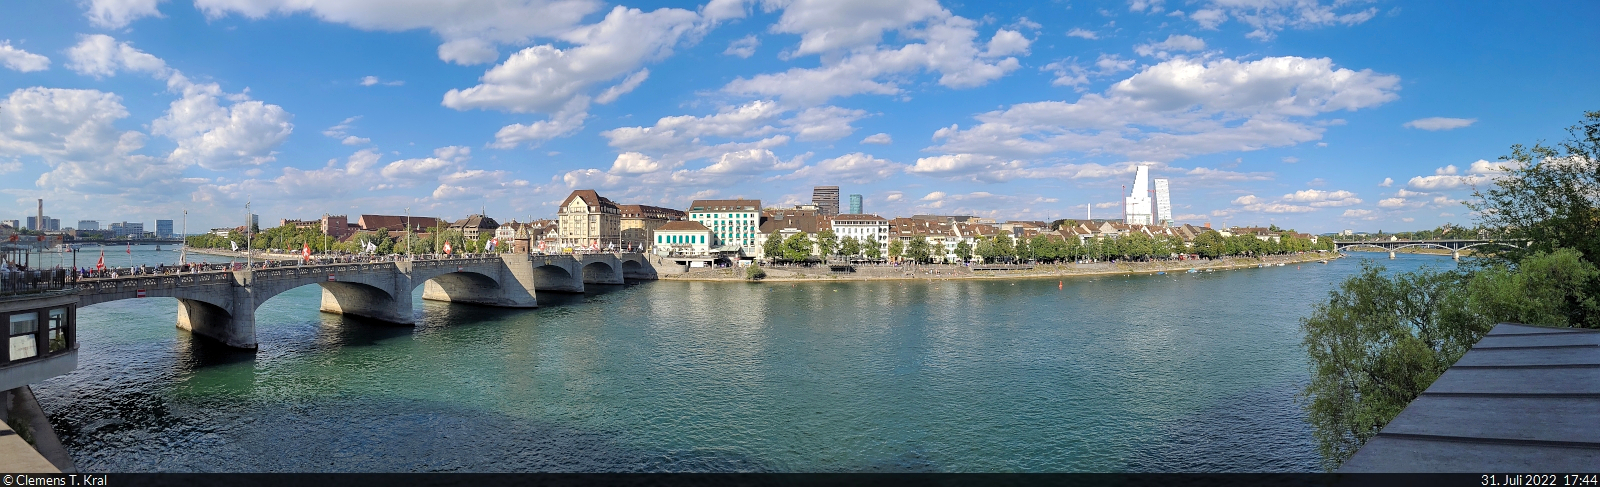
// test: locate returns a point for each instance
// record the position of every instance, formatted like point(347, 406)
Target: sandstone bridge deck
point(222, 305)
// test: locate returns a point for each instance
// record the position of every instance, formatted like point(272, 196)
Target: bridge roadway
point(222, 305)
point(1455, 246)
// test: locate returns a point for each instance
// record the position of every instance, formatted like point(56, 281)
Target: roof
point(725, 205)
point(589, 197)
point(475, 221)
point(808, 224)
point(1524, 398)
point(374, 222)
point(859, 217)
point(682, 225)
point(647, 211)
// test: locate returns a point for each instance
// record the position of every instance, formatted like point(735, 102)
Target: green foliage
point(754, 272)
point(827, 242)
point(897, 248)
point(919, 250)
point(850, 247)
point(1004, 246)
point(985, 249)
point(773, 247)
point(1544, 289)
point(1547, 198)
point(963, 251)
point(798, 247)
point(872, 248)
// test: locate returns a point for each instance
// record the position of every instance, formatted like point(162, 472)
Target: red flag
point(130, 249)
point(447, 248)
point(101, 264)
point(306, 251)
point(13, 237)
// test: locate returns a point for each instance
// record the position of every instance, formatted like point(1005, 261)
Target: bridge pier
point(234, 325)
point(1391, 255)
point(367, 302)
point(1456, 254)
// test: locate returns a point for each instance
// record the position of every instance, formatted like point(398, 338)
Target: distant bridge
point(1455, 246)
point(222, 305)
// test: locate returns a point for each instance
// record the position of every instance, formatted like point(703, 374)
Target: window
point(57, 325)
point(23, 334)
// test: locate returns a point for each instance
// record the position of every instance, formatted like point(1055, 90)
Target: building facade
point(863, 228)
point(734, 224)
point(474, 225)
point(88, 225)
point(127, 229)
point(826, 198)
point(682, 238)
point(1163, 202)
point(587, 220)
point(1136, 209)
point(639, 223)
point(855, 205)
point(164, 229)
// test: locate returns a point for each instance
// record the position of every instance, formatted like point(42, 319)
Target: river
point(1182, 372)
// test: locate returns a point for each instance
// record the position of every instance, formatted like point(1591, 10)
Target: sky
point(1318, 115)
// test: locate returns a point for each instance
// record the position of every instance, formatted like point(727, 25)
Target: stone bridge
point(1455, 246)
point(222, 305)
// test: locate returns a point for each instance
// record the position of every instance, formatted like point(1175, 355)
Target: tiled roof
point(725, 205)
point(589, 197)
point(859, 217)
point(393, 222)
point(681, 225)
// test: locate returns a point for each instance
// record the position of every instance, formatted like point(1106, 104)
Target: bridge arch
point(600, 272)
point(556, 278)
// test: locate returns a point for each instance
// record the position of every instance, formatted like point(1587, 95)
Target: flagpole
point(249, 252)
point(184, 249)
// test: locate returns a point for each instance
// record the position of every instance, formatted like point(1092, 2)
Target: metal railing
point(26, 282)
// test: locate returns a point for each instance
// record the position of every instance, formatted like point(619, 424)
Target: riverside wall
point(950, 271)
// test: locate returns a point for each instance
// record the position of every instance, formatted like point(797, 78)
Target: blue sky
point(1317, 115)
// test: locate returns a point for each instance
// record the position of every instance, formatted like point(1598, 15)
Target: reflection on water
point(1188, 372)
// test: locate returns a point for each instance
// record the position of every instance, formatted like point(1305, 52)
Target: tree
point(798, 247)
point(919, 250)
point(1004, 247)
point(984, 249)
point(963, 251)
point(773, 247)
point(1044, 248)
point(827, 243)
point(873, 248)
point(896, 249)
point(850, 247)
point(754, 273)
point(1024, 250)
point(1546, 198)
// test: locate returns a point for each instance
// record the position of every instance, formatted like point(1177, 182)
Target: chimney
point(40, 225)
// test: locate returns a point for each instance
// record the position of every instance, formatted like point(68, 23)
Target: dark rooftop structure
point(1524, 399)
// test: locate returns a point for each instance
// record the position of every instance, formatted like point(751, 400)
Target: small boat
point(1161, 273)
point(1192, 271)
point(1323, 261)
point(1280, 264)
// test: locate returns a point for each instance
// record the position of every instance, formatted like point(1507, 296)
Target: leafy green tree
point(798, 247)
point(919, 250)
point(754, 273)
point(897, 248)
point(985, 249)
point(873, 249)
point(1004, 246)
point(827, 243)
point(850, 247)
point(772, 248)
point(1072, 249)
point(963, 251)
point(1024, 250)
point(1209, 244)
point(1546, 199)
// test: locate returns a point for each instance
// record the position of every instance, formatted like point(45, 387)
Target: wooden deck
point(1524, 399)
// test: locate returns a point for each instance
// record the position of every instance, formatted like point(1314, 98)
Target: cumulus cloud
point(1254, 204)
point(116, 14)
point(1271, 16)
point(744, 47)
point(101, 55)
point(848, 33)
point(878, 138)
point(1440, 123)
point(445, 160)
point(1174, 43)
point(1322, 199)
point(1359, 214)
point(73, 132)
point(1448, 177)
point(470, 30)
point(1387, 182)
point(635, 163)
point(855, 168)
point(563, 123)
point(373, 80)
point(1180, 108)
point(1083, 34)
point(20, 60)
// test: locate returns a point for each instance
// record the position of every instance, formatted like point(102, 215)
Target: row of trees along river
point(802, 247)
point(1382, 338)
point(294, 239)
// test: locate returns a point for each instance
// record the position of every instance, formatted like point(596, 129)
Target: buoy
point(1059, 284)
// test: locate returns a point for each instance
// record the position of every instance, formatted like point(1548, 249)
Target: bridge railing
point(25, 282)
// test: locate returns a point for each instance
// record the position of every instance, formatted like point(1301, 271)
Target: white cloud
point(855, 168)
point(1291, 159)
point(1083, 34)
point(934, 196)
point(116, 14)
point(1254, 204)
point(100, 56)
point(373, 80)
point(353, 140)
point(628, 84)
point(73, 131)
point(12, 166)
point(1359, 214)
point(1174, 43)
point(847, 32)
point(823, 123)
point(20, 60)
point(1448, 177)
point(1153, 6)
point(244, 133)
point(1440, 123)
point(744, 47)
point(1323, 199)
point(635, 163)
point(974, 166)
point(878, 138)
point(470, 30)
point(895, 196)
point(734, 167)
point(563, 123)
point(1180, 108)
point(543, 78)
point(1268, 17)
point(1387, 182)
point(445, 160)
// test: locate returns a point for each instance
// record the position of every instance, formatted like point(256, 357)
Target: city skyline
point(1296, 114)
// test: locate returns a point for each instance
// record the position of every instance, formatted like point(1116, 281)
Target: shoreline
point(941, 272)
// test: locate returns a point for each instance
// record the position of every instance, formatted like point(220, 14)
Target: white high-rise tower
point(1163, 203)
point(1138, 202)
